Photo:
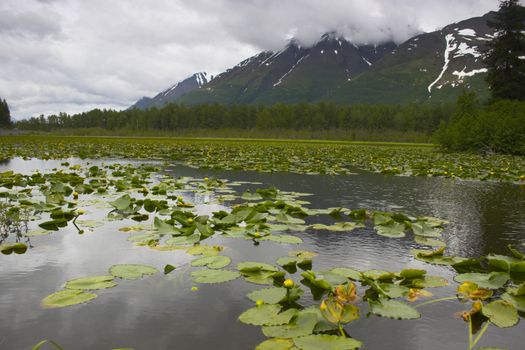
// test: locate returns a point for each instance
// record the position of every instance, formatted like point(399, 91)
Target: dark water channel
point(162, 312)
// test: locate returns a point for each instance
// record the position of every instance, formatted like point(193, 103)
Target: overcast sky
point(75, 55)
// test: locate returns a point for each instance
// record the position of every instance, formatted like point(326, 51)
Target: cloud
point(73, 55)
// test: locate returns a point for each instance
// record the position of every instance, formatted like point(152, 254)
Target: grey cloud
point(30, 22)
point(73, 55)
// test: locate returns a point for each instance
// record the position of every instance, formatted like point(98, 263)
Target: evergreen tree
point(5, 115)
point(506, 56)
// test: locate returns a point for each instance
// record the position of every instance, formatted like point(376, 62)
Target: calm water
point(161, 312)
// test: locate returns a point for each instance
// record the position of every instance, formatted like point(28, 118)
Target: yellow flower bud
point(194, 289)
point(81, 211)
point(259, 302)
point(288, 283)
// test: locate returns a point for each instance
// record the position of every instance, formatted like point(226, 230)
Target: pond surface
point(162, 312)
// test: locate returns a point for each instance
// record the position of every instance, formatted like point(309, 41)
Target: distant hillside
point(293, 74)
point(174, 92)
point(430, 67)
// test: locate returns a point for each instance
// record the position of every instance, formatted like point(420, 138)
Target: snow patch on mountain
point(461, 75)
point(467, 32)
point(450, 46)
point(465, 49)
point(291, 69)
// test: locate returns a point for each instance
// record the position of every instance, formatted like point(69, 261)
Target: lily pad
point(184, 240)
point(268, 295)
point(326, 342)
point(391, 229)
point(501, 313)
point(348, 273)
point(275, 344)
point(214, 276)
point(267, 315)
point(393, 309)
point(91, 283)
point(250, 266)
point(121, 203)
point(517, 301)
point(338, 227)
point(132, 271)
point(302, 325)
point(67, 297)
point(285, 239)
point(212, 262)
point(493, 280)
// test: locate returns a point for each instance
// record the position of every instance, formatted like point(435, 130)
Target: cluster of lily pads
point(165, 219)
point(306, 158)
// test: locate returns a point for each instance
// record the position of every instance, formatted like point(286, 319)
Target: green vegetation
point(346, 121)
point(506, 56)
point(307, 157)
point(495, 128)
point(492, 285)
point(5, 114)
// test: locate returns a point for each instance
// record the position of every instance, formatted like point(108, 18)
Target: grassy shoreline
point(361, 135)
point(223, 139)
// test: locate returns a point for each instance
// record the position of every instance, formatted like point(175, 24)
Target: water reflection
point(162, 312)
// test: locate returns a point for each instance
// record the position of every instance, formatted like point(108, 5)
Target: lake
point(163, 312)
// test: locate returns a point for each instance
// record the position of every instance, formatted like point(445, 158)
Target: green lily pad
point(429, 241)
point(267, 315)
point(391, 229)
point(501, 313)
point(506, 263)
point(338, 227)
point(91, 283)
point(260, 315)
point(132, 271)
point(302, 325)
point(214, 276)
point(393, 309)
point(212, 262)
point(67, 297)
point(378, 275)
point(493, 280)
point(348, 273)
point(47, 341)
point(423, 229)
point(275, 344)
point(184, 240)
point(517, 301)
point(429, 282)
point(202, 249)
point(268, 295)
point(17, 248)
point(168, 268)
point(249, 266)
point(121, 203)
point(326, 342)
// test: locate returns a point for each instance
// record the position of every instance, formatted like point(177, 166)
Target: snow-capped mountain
point(433, 67)
point(171, 94)
point(293, 74)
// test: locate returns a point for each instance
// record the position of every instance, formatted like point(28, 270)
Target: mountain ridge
point(429, 67)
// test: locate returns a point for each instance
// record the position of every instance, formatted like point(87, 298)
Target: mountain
point(432, 67)
point(293, 74)
point(174, 92)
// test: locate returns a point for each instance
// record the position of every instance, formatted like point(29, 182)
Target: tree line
point(498, 126)
point(424, 118)
point(5, 114)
